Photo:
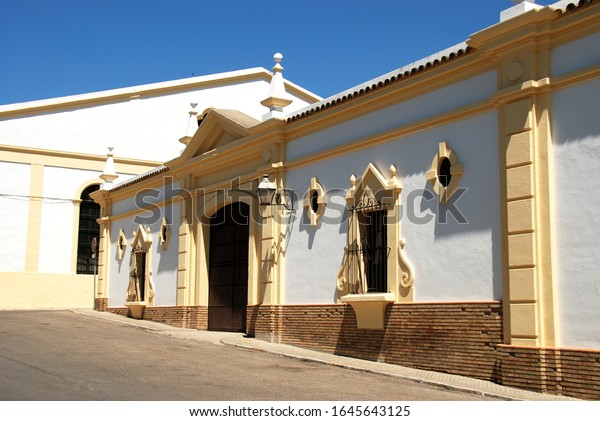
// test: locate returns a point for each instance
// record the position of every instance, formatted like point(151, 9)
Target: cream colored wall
point(22, 290)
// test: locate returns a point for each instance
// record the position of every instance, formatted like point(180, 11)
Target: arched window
point(89, 211)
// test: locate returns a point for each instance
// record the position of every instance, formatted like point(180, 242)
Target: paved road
point(60, 355)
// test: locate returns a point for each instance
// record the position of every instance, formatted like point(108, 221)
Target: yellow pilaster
point(526, 170)
point(102, 197)
point(272, 243)
point(185, 290)
point(34, 221)
point(75, 235)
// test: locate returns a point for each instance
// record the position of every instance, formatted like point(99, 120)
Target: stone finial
point(278, 98)
point(192, 124)
point(109, 174)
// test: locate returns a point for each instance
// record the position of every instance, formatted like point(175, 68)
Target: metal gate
point(228, 268)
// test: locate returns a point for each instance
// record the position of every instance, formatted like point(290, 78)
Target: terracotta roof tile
point(387, 79)
point(569, 6)
point(139, 178)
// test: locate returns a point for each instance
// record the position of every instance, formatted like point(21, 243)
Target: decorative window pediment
point(373, 189)
point(142, 239)
point(140, 291)
point(374, 272)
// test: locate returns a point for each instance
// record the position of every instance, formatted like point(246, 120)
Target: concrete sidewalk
point(448, 381)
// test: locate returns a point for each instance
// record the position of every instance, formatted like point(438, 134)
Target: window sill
point(369, 308)
point(137, 308)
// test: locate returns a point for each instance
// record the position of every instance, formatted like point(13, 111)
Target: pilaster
point(526, 170)
point(34, 218)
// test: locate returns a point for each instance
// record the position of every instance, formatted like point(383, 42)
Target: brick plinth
point(453, 338)
point(457, 338)
point(100, 304)
point(571, 372)
point(189, 317)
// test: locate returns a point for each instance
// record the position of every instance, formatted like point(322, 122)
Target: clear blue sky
point(52, 48)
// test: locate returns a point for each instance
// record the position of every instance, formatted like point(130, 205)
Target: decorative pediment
point(142, 239)
point(373, 188)
point(219, 128)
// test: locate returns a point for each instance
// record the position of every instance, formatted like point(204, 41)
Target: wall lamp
point(269, 194)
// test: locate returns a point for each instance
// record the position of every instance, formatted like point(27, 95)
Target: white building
point(52, 152)
point(442, 216)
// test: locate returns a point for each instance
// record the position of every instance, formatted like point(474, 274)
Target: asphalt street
point(61, 355)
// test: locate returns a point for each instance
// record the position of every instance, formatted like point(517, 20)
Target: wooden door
point(228, 268)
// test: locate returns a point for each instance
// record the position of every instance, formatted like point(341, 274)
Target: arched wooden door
point(228, 268)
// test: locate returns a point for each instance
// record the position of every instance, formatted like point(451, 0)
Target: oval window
point(314, 201)
point(444, 174)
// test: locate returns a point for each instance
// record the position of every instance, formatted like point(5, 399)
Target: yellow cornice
point(523, 32)
point(53, 158)
point(145, 91)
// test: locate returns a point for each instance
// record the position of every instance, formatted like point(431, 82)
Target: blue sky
point(52, 48)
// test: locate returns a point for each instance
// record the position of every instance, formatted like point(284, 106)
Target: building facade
point(441, 216)
point(53, 151)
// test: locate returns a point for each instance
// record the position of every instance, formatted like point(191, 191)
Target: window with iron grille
point(368, 250)
point(374, 250)
point(89, 212)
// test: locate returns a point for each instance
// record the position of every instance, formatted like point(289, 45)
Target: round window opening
point(314, 201)
point(444, 174)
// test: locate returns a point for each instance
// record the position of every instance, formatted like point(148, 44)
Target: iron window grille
point(367, 247)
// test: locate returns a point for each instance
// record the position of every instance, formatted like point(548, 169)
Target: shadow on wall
point(365, 344)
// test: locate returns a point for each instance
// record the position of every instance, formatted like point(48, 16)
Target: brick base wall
point(570, 372)
point(456, 338)
point(189, 317)
point(453, 338)
point(100, 304)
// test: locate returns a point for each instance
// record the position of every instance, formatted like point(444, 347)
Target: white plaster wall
point(164, 262)
point(576, 55)
point(451, 261)
point(14, 184)
point(145, 198)
point(61, 186)
point(132, 126)
point(460, 94)
point(576, 141)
